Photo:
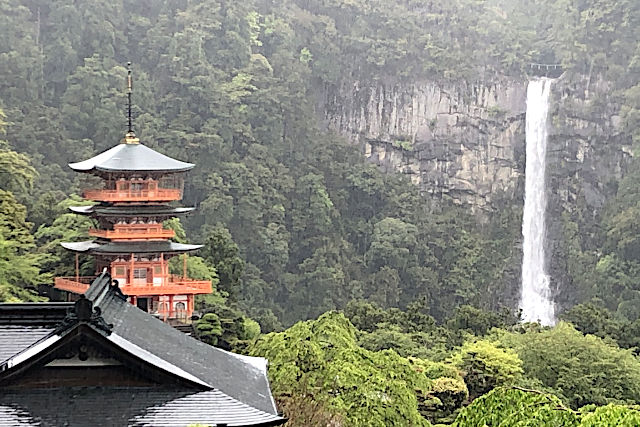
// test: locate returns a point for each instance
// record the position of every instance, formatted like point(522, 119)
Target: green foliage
point(516, 408)
point(321, 359)
point(612, 415)
point(410, 332)
point(479, 322)
point(209, 329)
point(224, 325)
point(448, 390)
point(592, 319)
point(67, 227)
point(19, 262)
point(222, 253)
point(16, 172)
point(580, 369)
point(486, 365)
point(250, 330)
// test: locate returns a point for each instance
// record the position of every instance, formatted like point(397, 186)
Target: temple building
point(138, 185)
point(102, 362)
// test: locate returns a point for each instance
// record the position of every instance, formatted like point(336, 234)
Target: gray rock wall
point(465, 141)
point(587, 155)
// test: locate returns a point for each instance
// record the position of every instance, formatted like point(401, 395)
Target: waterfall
point(535, 302)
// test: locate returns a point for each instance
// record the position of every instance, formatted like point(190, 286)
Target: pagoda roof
point(193, 382)
point(131, 157)
point(135, 210)
point(107, 248)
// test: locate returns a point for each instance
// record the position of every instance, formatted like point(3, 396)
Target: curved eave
point(82, 210)
point(129, 211)
point(121, 248)
point(80, 246)
point(131, 158)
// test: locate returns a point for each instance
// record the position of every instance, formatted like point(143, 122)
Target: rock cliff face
point(467, 142)
point(587, 154)
point(463, 141)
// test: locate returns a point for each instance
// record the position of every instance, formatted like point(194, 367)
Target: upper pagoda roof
point(129, 157)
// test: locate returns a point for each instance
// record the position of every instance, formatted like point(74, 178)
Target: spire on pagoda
point(130, 137)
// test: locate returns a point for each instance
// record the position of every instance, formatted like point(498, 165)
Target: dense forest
point(295, 224)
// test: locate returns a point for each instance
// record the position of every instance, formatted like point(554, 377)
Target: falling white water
point(536, 300)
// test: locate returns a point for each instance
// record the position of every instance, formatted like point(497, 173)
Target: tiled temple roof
point(212, 386)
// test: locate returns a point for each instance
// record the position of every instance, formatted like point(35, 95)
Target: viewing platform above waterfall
point(545, 70)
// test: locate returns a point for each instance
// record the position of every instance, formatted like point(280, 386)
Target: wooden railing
point(78, 285)
point(158, 195)
point(134, 231)
point(174, 285)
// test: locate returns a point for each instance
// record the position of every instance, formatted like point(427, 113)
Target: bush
point(485, 365)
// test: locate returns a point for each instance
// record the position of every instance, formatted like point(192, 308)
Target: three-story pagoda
point(131, 242)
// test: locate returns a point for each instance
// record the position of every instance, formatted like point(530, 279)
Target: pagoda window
point(172, 182)
point(119, 272)
point(139, 273)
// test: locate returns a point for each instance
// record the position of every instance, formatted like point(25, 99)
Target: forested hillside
point(232, 87)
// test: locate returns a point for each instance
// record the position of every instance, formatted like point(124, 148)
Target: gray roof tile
point(15, 338)
point(241, 377)
point(131, 157)
point(120, 406)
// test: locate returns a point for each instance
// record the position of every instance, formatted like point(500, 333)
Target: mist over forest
point(359, 190)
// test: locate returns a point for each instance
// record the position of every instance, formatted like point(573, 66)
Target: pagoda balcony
point(134, 232)
point(171, 285)
point(156, 195)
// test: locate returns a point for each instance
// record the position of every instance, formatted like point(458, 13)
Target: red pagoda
point(138, 184)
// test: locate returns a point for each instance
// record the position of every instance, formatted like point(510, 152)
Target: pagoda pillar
point(163, 275)
point(184, 266)
point(131, 270)
point(170, 306)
